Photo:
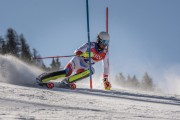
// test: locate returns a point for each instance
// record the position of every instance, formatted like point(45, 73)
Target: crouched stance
point(80, 63)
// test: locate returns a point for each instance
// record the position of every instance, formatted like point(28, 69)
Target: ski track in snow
point(20, 99)
point(19, 102)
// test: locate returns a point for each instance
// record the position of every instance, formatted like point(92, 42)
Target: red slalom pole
point(107, 19)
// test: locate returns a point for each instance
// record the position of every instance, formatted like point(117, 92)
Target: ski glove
point(107, 84)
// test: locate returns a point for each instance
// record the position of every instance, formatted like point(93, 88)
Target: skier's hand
point(86, 54)
point(107, 84)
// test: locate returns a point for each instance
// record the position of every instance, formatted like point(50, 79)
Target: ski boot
point(49, 85)
point(65, 84)
point(39, 78)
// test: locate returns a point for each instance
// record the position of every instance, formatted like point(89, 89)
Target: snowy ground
point(21, 100)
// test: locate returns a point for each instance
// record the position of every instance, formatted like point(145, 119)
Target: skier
point(80, 63)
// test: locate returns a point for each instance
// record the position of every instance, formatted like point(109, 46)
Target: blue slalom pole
point(89, 49)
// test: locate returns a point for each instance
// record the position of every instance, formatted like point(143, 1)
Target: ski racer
point(80, 63)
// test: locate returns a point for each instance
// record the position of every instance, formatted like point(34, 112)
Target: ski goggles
point(105, 42)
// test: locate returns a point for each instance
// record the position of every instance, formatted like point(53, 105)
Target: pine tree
point(17, 46)
point(1, 44)
point(12, 42)
point(35, 52)
point(38, 62)
point(129, 81)
point(53, 65)
point(58, 64)
point(120, 79)
point(25, 51)
point(135, 82)
point(4, 48)
point(35, 55)
point(147, 83)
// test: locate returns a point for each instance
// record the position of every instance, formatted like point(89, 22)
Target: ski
point(51, 85)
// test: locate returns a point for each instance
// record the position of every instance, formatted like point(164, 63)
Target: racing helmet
point(103, 38)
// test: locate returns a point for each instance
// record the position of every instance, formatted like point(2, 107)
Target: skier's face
point(102, 46)
point(105, 42)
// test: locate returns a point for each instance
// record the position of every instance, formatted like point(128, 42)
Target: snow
point(20, 102)
point(25, 101)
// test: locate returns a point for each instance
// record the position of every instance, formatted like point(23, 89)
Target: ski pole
point(85, 55)
point(54, 57)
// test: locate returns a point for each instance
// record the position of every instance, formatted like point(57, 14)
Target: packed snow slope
point(21, 100)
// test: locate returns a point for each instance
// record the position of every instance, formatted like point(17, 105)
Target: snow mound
point(14, 71)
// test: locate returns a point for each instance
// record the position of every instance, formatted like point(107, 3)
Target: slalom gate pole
point(89, 49)
point(107, 30)
point(107, 19)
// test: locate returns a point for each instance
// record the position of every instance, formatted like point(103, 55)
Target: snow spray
point(14, 71)
point(172, 80)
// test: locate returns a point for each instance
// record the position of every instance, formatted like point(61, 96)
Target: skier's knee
point(68, 69)
point(79, 71)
